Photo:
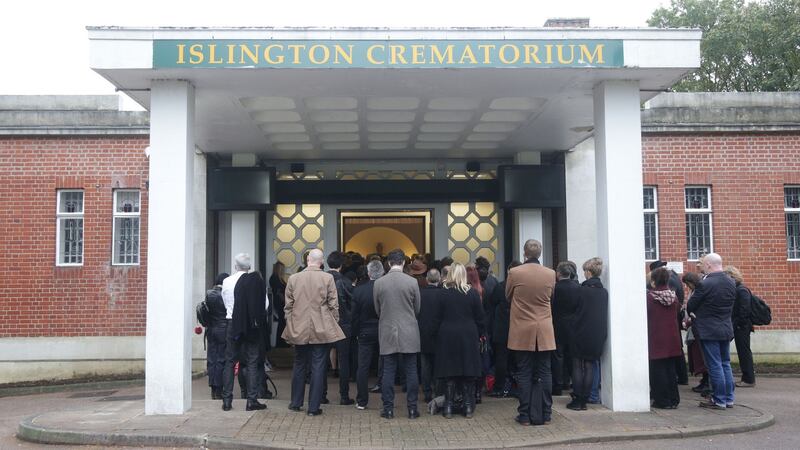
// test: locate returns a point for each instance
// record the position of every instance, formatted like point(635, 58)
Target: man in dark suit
point(365, 329)
point(530, 288)
point(427, 329)
point(344, 290)
point(712, 304)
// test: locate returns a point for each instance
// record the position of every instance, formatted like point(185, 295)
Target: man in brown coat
point(530, 335)
point(312, 316)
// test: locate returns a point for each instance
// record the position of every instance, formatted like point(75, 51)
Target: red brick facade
point(95, 299)
point(747, 174)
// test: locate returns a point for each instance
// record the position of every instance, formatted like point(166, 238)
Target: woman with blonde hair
point(742, 327)
point(459, 328)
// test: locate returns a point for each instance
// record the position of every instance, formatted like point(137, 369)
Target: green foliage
point(746, 46)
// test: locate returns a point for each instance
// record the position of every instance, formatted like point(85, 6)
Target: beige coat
point(530, 287)
point(312, 309)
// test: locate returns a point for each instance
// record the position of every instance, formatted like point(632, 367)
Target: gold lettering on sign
point(417, 55)
point(436, 54)
point(346, 55)
point(312, 54)
point(561, 59)
point(487, 59)
point(244, 49)
point(504, 58)
point(397, 54)
point(586, 56)
point(196, 55)
point(371, 57)
point(181, 49)
point(467, 53)
point(531, 52)
point(296, 49)
point(549, 49)
point(268, 54)
point(212, 53)
point(230, 53)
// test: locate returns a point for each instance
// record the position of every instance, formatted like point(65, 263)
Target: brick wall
point(747, 174)
point(39, 298)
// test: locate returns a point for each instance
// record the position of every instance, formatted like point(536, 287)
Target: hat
point(418, 267)
point(656, 264)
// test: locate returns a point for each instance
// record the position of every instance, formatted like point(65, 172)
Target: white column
point(244, 236)
point(581, 211)
point(620, 242)
point(530, 224)
point(199, 284)
point(168, 350)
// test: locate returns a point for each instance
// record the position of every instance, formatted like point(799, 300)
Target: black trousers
point(582, 376)
point(429, 383)
point(664, 383)
point(501, 356)
point(741, 337)
point(247, 352)
point(215, 355)
point(343, 358)
point(367, 348)
point(310, 358)
point(391, 362)
point(557, 366)
point(535, 385)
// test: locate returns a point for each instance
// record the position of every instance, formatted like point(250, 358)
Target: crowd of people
point(455, 332)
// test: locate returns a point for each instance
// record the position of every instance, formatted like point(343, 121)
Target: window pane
point(793, 235)
point(791, 196)
point(71, 202)
point(71, 241)
point(698, 235)
point(697, 198)
point(127, 201)
point(126, 240)
point(649, 198)
point(650, 237)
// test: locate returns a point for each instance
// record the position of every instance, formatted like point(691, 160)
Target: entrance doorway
point(378, 232)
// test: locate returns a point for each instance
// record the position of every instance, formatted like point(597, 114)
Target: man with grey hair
point(243, 294)
point(712, 305)
point(429, 309)
point(365, 328)
point(312, 316)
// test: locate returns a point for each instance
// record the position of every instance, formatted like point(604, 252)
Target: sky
point(45, 49)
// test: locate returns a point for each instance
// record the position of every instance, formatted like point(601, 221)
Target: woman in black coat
point(742, 327)
point(501, 313)
point(215, 333)
point(589, 332)
point(460, 326)
point(277, 284)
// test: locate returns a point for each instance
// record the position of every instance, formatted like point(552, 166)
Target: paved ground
point(340, 426)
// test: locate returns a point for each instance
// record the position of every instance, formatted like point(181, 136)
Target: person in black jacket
point(429, 308)
point(459, 329)
point(344, 290)
point(712, 304)
point(742, 327)
point(245, 334)
point(215, 333)
point(277, 284)
point(589, 332)
point(365, 328)
point(501, 316)
point(564, 304)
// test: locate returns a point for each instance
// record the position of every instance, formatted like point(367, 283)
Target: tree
point(753, 46)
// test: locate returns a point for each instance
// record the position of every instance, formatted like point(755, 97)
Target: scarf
point(666, 297)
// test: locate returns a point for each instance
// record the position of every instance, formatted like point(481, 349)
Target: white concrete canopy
point(369, 113)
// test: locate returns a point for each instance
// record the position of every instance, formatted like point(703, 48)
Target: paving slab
point(206, 425)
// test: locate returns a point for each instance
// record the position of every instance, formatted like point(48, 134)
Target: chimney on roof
point(574, 22)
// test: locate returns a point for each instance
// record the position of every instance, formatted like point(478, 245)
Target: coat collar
point(593, 282)
point(532, 261)
point(312, 268)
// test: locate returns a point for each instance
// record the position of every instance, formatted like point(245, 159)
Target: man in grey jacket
point(397, 303)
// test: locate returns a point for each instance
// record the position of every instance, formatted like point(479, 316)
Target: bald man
point(312, 316)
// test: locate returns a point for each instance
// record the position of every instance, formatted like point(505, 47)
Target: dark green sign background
point(209, 53)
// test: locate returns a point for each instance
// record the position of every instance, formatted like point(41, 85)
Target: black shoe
point(387, 414)
point(346, 401)
point(470, 399)
point(255, 406)
point(295, 408)
point(413, 413)
point(577, 404)
point(375, 389)
point(324, 400)
point(216, 393)
point(267, 395)
point(557, 393)
point(449, 399)
point(522, 420)
point(227, 405)
point(314, 413)
point(700, 388)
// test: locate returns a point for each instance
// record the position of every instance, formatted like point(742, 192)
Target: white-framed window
point(650, 223)
point(699, 238)
point(69, 227)
point(791, 206)
point(127, 212)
